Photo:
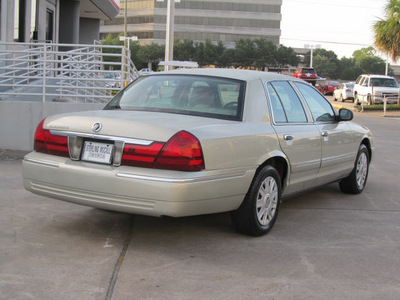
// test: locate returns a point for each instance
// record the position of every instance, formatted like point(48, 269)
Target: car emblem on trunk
point(96, 127)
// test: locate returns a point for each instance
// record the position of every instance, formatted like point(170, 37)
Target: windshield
point(185, 94)
point(385, 82)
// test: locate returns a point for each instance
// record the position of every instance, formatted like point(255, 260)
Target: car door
point(338, 154)
point(299, 139)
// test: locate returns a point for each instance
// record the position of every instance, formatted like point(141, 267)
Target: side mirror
point(345, 115)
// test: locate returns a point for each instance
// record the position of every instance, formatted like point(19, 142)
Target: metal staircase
point(50, 72)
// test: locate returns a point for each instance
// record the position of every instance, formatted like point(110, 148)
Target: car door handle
point(324, 133)
point(288, 137)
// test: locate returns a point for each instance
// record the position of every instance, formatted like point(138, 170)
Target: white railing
point(63, 72)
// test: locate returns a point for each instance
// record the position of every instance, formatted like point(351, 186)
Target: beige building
point(198, 20)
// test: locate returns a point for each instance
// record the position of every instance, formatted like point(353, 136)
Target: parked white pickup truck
point(372, 89)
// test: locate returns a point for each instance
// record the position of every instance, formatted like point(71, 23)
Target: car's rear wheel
point(356, 181)
point(259, 210)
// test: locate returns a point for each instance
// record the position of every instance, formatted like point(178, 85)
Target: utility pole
point(169, 35)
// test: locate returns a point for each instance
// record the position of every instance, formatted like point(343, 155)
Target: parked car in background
point(344, 92)
point(308, 74)
point(201, 141)
point(113, 80)
point(145, 71)
point(330, 86)
point(373, 89)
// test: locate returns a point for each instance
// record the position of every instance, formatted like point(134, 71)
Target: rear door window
point(286, 105)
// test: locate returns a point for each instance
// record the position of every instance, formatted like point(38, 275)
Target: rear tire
point(259, 210)
point(356, 181)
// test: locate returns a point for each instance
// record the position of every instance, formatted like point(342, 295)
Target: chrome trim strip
point(41, 162)
point(185, 180)
point(101, 137)
point(338, 157)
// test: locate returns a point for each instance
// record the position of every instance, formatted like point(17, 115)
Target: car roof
point(377, 76)
point(244, 75)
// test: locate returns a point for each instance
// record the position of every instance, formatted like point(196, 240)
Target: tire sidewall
point(252, 197)
point(364, 150)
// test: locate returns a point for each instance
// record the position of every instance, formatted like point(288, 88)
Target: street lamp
point(169, 31)
point(312, 48)
point(128, 38)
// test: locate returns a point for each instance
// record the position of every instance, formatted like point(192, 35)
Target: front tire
point(356, 181)
point(369, 100)
point(259, 210)
point(356, 100)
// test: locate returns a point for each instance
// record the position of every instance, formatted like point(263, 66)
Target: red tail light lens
point(182, 152)
point(46, 142)
point(140, 156)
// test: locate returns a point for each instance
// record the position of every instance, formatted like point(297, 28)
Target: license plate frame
point(97, 152)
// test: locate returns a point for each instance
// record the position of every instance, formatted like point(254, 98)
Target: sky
point(342, 26)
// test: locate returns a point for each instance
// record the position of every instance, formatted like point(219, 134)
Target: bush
point(379, 107)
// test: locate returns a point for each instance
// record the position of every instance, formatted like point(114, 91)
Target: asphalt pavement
point(325, 245)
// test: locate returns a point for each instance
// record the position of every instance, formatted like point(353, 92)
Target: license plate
point(97, 152)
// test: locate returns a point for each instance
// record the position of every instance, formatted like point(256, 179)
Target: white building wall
point(19, 119)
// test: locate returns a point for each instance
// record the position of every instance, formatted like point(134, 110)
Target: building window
point(19, 20)
point(49, 25)
point(33, 33)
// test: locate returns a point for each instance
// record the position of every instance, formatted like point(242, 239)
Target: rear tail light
point(46, 142)
point(140, 156)
point(182, 153)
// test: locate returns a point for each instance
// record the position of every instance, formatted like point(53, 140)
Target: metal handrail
point(45, 73)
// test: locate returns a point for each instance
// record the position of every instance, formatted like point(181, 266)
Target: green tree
point(286, 56)
point(265, 53)
point(184, 50)
point(325, 62)
point(347, 69)
point(151, 54)
point(109, 40)
point(245, 53)
point(368, 62)
point(387, 32)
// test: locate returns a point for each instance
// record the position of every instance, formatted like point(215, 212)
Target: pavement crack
point(120, 260)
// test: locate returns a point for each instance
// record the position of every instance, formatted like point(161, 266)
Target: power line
point(325, 42)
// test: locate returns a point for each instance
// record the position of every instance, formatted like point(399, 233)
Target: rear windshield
point(183, 94)
point(308, 70)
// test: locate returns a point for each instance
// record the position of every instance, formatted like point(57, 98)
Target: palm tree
point(387, 32)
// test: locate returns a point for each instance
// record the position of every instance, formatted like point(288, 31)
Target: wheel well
point(280, 165)
point(367, 144)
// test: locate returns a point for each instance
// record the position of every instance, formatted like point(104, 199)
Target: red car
point(308, 74)
point(330, 87)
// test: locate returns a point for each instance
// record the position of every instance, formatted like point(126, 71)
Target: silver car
point(201, 141)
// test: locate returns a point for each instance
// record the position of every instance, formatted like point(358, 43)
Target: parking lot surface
point(325, 244)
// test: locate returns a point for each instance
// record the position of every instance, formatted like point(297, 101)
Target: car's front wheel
point(356, 100)
point(356, 181)
point(259, 210)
